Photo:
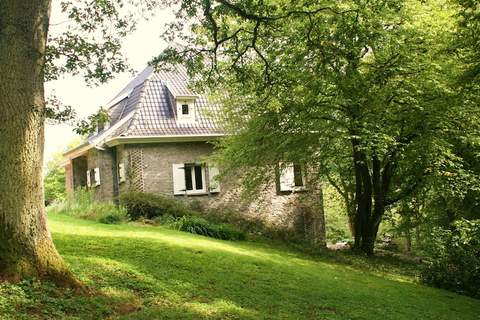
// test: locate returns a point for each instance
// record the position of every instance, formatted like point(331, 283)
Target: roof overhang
point(96, 141)
point(77, 151)
point(166, 138)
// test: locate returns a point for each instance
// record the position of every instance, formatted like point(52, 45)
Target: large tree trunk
point(26, 248)
point(371, 187)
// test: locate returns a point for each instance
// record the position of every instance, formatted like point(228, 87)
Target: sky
point(139, 48)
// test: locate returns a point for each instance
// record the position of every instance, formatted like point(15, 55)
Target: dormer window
point(185, 109)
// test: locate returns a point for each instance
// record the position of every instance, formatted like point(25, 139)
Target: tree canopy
point(363, 91)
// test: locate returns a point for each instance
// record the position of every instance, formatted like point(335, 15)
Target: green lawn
point(154, 273)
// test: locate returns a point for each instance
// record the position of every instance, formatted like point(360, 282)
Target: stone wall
point(79, 172)
point(149, 169)
point(103, 160)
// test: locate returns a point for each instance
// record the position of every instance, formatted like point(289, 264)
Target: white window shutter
point(214, 184)
point(287, 179)
point(121, 172)
point(97, 176)
point(178, 178)
point(89, 182)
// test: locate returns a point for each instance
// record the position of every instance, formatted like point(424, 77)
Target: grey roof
point(147, 106)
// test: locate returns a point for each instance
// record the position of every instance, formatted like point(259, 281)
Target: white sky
point(139, 47)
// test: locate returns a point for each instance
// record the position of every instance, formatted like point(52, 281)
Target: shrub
point(455, 258)
point(82, 205)
point(149, 206)
point(111, 219)
point(200, 226)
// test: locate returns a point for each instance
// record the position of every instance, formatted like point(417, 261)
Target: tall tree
point(357, 88)
point(90, 46)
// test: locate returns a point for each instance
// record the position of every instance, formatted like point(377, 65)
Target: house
point(157, 139)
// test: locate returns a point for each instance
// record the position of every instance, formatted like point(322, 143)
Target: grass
point(144, 272)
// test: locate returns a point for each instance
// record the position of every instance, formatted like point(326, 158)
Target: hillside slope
point(154, 273)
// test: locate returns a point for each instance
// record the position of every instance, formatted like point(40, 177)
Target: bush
point(150, 206)
point(111, 219)
point(200, 226)
point(455, 255)
point(82, 205)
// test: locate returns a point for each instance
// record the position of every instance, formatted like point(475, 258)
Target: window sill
point(296, 190)
point(196, 194)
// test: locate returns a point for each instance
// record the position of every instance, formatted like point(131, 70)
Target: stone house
point(157, 139)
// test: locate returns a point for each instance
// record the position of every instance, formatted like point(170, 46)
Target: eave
point(77, 151)
point(165, 138)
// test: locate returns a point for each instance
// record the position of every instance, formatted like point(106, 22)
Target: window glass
point(297, 175)
point(188, 178)
point(184, 108)
point(198, 178)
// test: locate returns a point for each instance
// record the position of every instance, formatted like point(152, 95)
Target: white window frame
point(192, 166)
point(185, 118)
point(179, 179)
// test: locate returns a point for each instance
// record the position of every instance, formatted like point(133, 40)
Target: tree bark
point(371, 187)
point(26, 247)
point(408, 241)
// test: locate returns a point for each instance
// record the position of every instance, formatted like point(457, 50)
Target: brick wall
point(102, 160)
point(149, 169)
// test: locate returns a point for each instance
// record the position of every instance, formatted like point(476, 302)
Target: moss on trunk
point(26, 248)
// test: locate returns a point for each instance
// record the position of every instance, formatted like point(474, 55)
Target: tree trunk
point(351, 211)
point(370, 191)
point(26, 248)
point(418, 238)
point(408, 241)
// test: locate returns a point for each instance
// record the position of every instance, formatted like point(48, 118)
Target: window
point(185, 109)
point(297, 175)
point(93, 177)
point(291, 178)
point(193, 177)
point(189, 178)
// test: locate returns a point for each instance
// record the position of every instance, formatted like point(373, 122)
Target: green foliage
point(145, 272)
point(468, 39)
point(455, 255)
point(176, 214)
point(201, 226)
point(54, 180)
point(149, 205)
point(336, 219)
point(90, 42)
point(82, 204)
point(92, 123)
point(311, 82)
point(111, 219)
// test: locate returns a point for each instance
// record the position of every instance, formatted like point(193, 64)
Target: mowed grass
point(142, 272)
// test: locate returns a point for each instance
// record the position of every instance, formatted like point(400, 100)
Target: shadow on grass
point(174, 276)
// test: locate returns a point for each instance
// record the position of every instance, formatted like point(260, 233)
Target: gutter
point(164, 138)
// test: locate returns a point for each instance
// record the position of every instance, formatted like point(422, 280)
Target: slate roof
point(147, 108)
